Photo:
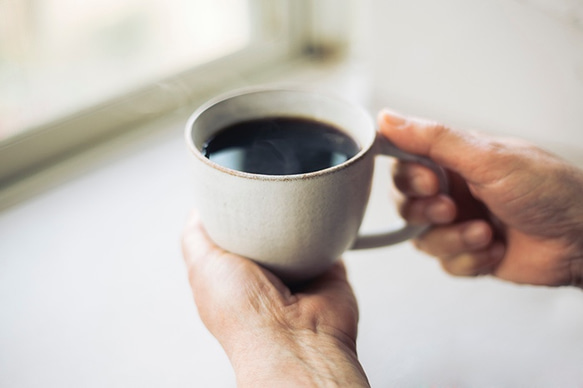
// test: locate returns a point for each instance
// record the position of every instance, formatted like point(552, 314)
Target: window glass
point(60, 56)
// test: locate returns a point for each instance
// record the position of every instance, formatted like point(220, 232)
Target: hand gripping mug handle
point(385, 147)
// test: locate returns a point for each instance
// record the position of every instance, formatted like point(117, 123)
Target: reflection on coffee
point(280, 146)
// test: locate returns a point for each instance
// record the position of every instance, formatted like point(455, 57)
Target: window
point(60, 56)
point(72, 72)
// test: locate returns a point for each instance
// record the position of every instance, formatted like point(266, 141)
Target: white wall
point(508, 66)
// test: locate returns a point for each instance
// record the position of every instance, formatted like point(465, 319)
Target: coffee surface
point(280, 146)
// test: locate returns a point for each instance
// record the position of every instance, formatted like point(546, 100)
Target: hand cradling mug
point(283, 177)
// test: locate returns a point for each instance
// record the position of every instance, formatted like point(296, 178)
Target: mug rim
point(365, 148)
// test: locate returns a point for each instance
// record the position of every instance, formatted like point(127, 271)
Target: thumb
point(470, 155)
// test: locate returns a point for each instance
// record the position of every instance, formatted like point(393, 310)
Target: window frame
point(29, 151)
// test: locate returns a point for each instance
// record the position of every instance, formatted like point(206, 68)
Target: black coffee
point(280, 146)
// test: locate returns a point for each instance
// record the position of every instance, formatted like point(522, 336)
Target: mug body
point(294, 225)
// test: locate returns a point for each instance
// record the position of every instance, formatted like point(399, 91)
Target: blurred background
point(61, 56)
point(95, 182)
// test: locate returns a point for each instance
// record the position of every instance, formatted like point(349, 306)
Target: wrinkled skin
point(273, 336)
point(514, 210)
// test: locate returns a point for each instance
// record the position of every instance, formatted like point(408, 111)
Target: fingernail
point(476, 235)
point(393, 118)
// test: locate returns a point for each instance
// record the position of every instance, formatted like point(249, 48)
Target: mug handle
point(385, 147)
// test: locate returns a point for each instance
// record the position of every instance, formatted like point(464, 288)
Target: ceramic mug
point(294, 225)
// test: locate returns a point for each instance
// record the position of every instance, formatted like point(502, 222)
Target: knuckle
point(441, 133)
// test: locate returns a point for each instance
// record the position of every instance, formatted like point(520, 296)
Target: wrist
point(296, 359)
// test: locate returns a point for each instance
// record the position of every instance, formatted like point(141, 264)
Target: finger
point(209, 265)
point(196, 246)
point(470, 154)
point(481, 262)
point(198, 251)
point(415, 180)
point(438, 210)
point(454, 240)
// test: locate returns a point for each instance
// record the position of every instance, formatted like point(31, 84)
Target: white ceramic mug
point(294, 225)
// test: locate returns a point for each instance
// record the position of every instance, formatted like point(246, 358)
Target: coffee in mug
point(280, 146)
